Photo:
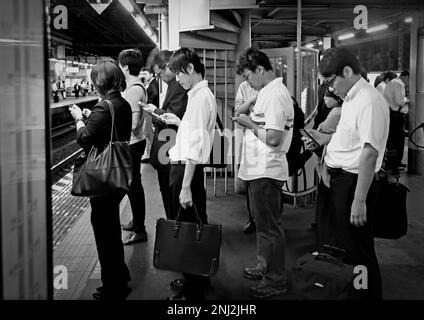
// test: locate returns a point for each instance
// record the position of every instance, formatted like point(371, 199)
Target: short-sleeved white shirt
point(195, 134)
point(273, 110)
point(364, 119)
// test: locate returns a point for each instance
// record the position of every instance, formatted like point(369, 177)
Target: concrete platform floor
point(401, 261)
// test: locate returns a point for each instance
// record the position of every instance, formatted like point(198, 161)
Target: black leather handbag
point(391, 219)
point(106, 170)
point(322, 276)
point(186, 246)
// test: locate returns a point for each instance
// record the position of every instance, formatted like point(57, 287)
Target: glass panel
point(23, 199)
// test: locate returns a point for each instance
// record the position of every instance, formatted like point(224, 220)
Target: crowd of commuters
point(352, 125)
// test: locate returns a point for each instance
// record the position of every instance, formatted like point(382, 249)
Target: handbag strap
point(199, 221)
point(112, 113)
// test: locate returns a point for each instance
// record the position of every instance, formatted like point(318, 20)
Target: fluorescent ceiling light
point(377, 28)
point(309, 45)
point(408, 19)
point(320, 43)
point(140, 21)
point(346, 36)
point(127, 5)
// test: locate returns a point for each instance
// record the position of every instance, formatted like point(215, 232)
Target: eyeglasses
point(330, 83)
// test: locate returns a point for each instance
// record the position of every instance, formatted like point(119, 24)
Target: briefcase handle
point(327, 257)
point(199, 221)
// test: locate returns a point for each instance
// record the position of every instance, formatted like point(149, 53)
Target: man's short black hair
point(107, 76)
point(334, 61)
point(182, 58)
point(251, 59)
point(159, 58)
point(133, 59)
point(404, 73)
point(389, 75)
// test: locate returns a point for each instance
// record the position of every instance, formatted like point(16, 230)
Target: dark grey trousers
point(266, 203)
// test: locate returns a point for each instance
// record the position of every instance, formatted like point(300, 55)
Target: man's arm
point(185, 194)
point(270, 137)
point(367, 165)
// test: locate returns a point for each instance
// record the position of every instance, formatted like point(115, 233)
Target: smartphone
point(158, 117)
point(307, 135)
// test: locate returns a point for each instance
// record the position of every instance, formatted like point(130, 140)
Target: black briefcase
point(322, 276)
point(186, 246)
point(391, 219)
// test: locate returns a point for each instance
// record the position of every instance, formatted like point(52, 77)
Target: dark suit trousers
point(107, 233)
point(357, 241)
point(194, 285)
point(136, 193)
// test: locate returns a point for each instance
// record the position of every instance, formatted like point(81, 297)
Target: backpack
point(293, 155)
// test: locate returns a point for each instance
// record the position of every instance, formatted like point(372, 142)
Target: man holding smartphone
point(354, 154)
point(269, 131)
point(175, 103)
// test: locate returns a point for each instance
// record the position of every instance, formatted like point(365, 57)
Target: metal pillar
point(243, 43)
point(416, 92)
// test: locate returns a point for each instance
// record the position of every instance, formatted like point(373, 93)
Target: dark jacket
point(175, 102)
point(98, 126)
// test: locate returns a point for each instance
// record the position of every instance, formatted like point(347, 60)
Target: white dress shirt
point(244, 93)
point(364, 119)
point(395, 95)
point(273, 110)
point(381, 86)
point(196, 131)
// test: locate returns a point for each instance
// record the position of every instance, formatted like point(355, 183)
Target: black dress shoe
point(177, 285)
point(250, 227)
point(117, 294)
point(128, 227)
point(135, 238)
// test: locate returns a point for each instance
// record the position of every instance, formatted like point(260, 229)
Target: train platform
point(401, 261)
point(72, 100)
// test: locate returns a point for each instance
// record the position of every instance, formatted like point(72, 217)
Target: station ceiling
point(274, 22)
point(105, 34)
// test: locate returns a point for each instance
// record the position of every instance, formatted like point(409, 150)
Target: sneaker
point(250, 227)
point(252, 273)
point(135, 238)
point(262, 291)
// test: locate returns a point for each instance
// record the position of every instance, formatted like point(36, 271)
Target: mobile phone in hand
point(304, 133)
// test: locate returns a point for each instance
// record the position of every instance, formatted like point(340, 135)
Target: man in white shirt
point(269, 130)
point(396, 98)
point(245, 100)
point(191, 151)
point(354, 154)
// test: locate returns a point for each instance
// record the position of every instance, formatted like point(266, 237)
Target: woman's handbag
point(186, 246)
point(106, 170)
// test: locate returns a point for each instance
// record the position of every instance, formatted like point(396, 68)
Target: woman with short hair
point(109, 81)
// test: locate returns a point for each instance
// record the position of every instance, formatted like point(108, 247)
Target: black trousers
point(163, 178)
point(107, 233)
point(194, 285)
point(159, 159)
point(357, 241)
point(136, 193)
point(323, 230)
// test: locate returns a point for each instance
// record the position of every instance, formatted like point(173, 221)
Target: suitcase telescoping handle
point(198, 223)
